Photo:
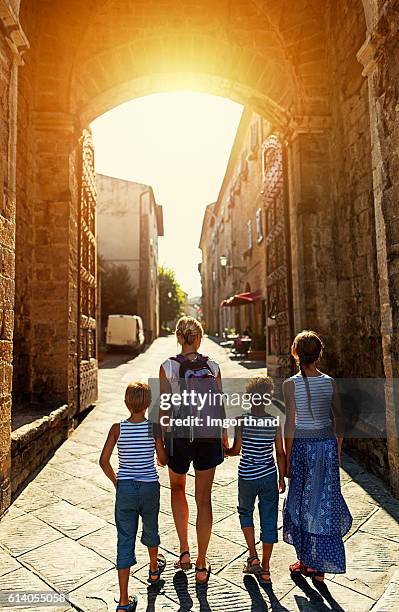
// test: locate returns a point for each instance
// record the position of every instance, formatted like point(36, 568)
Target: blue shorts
point(133, 499)
point(266, 490)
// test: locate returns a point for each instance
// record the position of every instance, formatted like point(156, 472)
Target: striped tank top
point(321, 392)
point(258, 438)
point(136, 452)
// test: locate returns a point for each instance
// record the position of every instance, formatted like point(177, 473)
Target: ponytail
point(307, 385)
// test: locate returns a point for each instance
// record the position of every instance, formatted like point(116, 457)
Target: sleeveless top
point(172, 367)
point(257, 459)
point(136, 452)
point(321, 392)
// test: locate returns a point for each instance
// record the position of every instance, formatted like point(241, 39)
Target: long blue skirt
point(316, 516)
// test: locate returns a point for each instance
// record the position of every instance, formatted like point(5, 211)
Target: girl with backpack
point(316, 516)
point(194, 445)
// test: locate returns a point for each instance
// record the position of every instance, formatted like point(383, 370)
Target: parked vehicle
point(125, 331)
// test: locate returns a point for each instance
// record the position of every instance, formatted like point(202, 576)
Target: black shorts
point(204, 454)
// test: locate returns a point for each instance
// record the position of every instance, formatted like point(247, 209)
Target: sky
point(179, 143)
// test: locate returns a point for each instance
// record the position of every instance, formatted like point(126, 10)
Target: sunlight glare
point(179, 143)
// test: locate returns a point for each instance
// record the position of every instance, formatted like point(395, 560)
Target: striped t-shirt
point(136, 452)
point(321, 392)
point(257, 459)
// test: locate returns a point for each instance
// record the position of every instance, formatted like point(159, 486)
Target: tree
point(117, 293)
point(171, 297)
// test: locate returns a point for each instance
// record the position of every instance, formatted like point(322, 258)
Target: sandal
point(300, 568)
point(130, 607)
point(250, 567)
point(183, 566)
point(157, 573)
point(203, 569)
point(297, 568)
point(316, 575)
point(262, 572)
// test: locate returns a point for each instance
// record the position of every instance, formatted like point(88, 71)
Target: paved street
point(60, 535)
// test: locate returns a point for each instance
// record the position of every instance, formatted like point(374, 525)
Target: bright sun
point(178, 143)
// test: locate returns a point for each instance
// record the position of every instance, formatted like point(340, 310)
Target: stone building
point(129, 223)
point(232, 240)
point(323, 73)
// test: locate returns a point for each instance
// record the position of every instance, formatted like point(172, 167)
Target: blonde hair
point(138, 396)
point(187, 330)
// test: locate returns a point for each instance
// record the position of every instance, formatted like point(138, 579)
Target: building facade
point(129, 225)
point(232, 239)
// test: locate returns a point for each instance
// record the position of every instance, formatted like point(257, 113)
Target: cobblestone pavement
point(60, 535)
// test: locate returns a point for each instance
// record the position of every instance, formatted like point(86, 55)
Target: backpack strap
point(179, 358)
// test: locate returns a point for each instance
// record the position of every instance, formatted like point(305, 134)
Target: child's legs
point(126, 520)
point(268, 511)
point(246, 505)
point(149, 511)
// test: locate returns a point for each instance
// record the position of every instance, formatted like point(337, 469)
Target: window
point(254, 136)
point(259, 225)
point(249, 226)
point(243, 166)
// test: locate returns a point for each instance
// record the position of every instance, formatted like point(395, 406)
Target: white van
point(125, 331)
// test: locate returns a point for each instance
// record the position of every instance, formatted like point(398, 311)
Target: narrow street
point(59, 534)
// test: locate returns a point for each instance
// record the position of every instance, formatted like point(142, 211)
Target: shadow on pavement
point(370, 483)
point(180, 583)
point(315, 596)
point(252, 365)
point(258, 603)
point(152, 593)
point(113, 360)
point(202, 596)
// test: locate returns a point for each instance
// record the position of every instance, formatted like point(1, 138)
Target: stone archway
point(277, 58)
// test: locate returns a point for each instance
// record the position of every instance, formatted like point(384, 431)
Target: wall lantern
point(223, 261)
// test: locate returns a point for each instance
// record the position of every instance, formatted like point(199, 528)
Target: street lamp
point(169, 294)
point(223, 259)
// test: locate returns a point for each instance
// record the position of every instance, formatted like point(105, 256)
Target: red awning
point(240, 299)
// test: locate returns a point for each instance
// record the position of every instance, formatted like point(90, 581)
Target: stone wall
point(357, 323)
point(379, 56)
point(7, 261)
point(25, 231)
point(34, 443)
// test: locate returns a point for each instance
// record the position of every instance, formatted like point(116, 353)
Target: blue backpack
point(198, 380)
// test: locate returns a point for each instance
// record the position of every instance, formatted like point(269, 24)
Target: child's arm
point(281, 462)
point(161, 452)
point(236, 448)
point(289, 429)
point(105, 457)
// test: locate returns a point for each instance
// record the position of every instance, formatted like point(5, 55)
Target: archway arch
point(276, 57)
point(88, 57)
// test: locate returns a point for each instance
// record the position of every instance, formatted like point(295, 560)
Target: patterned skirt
point(316, 516)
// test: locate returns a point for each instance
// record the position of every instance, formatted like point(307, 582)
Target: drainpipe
point(146, 321)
